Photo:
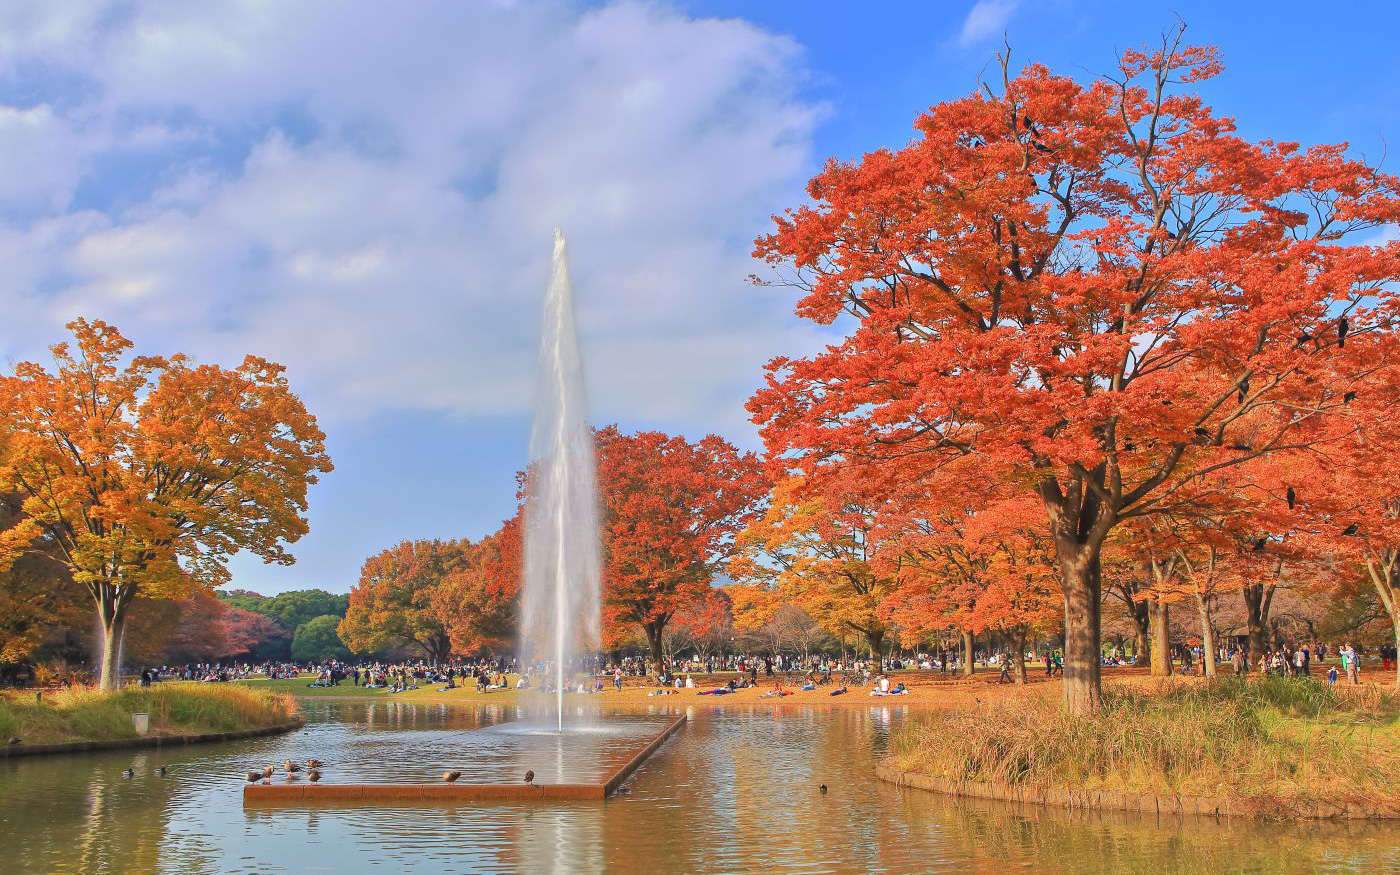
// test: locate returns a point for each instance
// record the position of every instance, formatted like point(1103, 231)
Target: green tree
point(316, 639)
point(294, 608)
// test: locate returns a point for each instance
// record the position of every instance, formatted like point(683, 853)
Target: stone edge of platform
point(309, 792)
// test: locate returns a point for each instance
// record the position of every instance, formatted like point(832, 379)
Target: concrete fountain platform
point(266, 795)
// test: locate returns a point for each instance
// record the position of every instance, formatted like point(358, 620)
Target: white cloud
point(365, 192)
point(986, 18)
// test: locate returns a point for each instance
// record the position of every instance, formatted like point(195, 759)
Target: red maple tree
point(1100, 292)
point(671, 509)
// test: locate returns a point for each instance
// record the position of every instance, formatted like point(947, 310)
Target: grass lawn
point(427, 691)
point(84, 714)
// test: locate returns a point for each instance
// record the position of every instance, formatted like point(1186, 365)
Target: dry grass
point(1274, 737)
point(84, 714)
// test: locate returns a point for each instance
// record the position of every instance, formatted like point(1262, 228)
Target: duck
point(290, 766)
point(160, 771)
point(13, 740)
point(822, 789)
point(127, 773)
point(254, 777)
point(267, 772)
point(449, 777)
point(313, 776)
point(529, 776)
point(314, 764)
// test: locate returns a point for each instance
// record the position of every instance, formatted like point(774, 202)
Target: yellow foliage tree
point(816, 552)
point(147, 473)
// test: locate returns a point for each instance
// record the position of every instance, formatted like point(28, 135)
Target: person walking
point(1237, 662)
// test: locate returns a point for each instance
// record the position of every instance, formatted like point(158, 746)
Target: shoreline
point(62, 747)
point(1217, 807)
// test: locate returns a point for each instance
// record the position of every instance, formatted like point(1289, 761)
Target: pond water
point(736, 790)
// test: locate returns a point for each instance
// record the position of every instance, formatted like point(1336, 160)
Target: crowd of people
point(596, 673)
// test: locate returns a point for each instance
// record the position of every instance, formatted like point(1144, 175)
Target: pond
point(736, 790)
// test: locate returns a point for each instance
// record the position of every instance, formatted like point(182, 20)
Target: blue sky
point(365, 193)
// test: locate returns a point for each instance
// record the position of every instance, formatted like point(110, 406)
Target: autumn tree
point(671, 508)
point(818, 552)
point(34, 594)
point(706, 625)
point(392, 604)
point(211, 630)
point(1353, 506)
point(147, 473)
point(1094, 289)
point(479, 600)
point(981, 568)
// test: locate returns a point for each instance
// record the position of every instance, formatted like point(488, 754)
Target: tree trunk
point(1207, 638)
point(1018, 657)
point(1161, 639)
point(876, 640)
point(1257, 598)
point(1139, 612)
point(1082, 583)
point(654, 628)
point(439, 648)
point(112, 603)
point(1383, 571)
point(969, 641)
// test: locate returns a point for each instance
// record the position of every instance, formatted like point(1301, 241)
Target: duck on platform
point(313, 775)
point(314, 764)
point(449, 777)
point(529, 776)
point(290, 766)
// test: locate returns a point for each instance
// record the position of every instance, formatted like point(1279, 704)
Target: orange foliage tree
point(1095, 289)
point(975, 569)
point(393, 602)
point(146, 474)
point(1353, 507)
point(671, 509)
point(479, 600)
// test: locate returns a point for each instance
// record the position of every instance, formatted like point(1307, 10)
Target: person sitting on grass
point(839, 691)
point(882, 687)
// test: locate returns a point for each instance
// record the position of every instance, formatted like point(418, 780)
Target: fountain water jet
point(559, 604)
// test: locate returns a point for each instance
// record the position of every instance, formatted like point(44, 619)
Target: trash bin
point(142, 722)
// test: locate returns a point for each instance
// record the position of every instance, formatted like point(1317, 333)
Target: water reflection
point(734, 791)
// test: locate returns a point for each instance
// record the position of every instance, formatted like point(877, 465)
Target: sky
point(366, 192)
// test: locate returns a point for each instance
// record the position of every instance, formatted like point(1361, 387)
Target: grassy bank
point(1274, 738)
point(174, 709)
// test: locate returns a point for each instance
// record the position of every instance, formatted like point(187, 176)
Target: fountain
point(559, 604)
point(559, 623)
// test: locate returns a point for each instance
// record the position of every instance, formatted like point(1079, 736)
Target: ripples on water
point(733, 791)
